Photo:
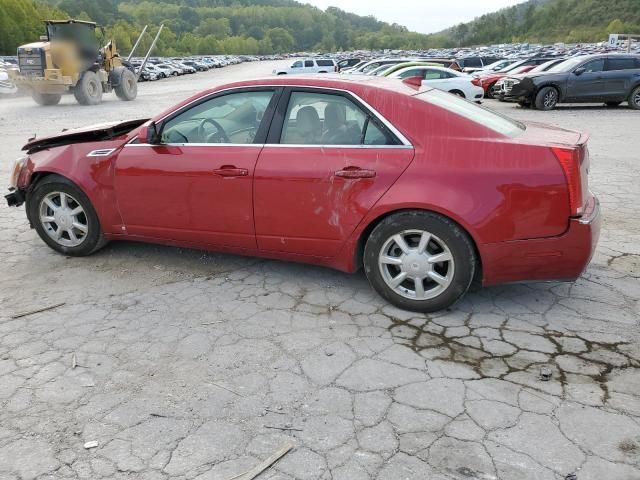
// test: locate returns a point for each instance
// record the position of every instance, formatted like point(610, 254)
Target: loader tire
point(88, 90)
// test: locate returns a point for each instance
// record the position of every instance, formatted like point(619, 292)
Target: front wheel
point(419, 261)
point(490, 93)
point(46, 99)
point(127, 88)
point(64, 217)
point(458, 93)
point(634, 98)
point(88, 90)
point(546, 99)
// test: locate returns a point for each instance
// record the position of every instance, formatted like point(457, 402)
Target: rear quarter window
point(480, 115)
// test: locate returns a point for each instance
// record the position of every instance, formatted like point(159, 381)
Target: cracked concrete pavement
point(199, 365)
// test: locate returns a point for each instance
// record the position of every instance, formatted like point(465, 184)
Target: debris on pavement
point(545, 374)
point(37, 310)
point(91, 444)
point(261, 467)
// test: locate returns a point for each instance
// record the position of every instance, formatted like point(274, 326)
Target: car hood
point(93, 133)
point(547, 75)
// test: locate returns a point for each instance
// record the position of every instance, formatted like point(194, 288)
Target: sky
point(424, 16)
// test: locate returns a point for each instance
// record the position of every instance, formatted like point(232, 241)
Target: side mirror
point(415, 82)
point(149, 134)
point(579, 71)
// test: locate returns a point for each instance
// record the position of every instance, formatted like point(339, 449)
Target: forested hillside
point(212, 26)
point(568, 21)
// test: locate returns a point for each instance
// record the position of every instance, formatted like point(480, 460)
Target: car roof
point(329, 80)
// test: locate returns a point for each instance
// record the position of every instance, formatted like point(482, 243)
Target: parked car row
point(158, 68)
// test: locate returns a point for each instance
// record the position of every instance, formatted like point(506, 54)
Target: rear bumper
point(558, 258)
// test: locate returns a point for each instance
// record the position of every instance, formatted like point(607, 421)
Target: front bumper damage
point(15, 197)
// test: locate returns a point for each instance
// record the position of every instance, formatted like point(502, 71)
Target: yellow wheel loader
point(70, 58)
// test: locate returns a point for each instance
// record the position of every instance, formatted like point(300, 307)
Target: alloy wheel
point(550, 98)
point(63, 219)
point(416, 264)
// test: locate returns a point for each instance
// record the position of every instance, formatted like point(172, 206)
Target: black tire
point(612, 104)
point(458, 93)
point(127, 88)
point(282, 73)
point(88, 90)
point(46, 99)
point(443, 230)
point(546, 99)
point(634, 98)
point(92, 240)
point(489, 91)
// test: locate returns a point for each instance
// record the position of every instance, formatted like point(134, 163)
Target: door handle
point(231, 171)
point(355, 172)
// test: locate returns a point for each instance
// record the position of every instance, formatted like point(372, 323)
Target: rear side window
point(308, 63)
point(494, 121)
point(325, 63)
point(328, 119)
point(622, 64)
point(472, 62)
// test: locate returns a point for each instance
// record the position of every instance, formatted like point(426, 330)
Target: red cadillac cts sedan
point(426, 191)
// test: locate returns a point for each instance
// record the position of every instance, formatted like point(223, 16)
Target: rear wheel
point(547, 98)
point(127, 88)
point(419, 261)
point(64, 217)
point(88, 90)
point(634, 98)
point(46, 99)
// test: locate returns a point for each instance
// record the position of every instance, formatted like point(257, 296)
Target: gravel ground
point(199, 365)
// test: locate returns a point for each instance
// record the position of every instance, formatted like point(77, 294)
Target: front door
point(196, 185)
point(588, 85)
point(328, 162)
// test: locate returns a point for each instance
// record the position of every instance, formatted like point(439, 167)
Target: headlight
point(18, 165)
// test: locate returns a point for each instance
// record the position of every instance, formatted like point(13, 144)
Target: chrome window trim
point(405, 143)
point(274, 145)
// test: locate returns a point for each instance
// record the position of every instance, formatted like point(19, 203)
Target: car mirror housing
point(579, 71)
point(149, 134)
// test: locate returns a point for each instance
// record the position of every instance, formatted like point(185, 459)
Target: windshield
point(512, 66)
point(471, 111)
point(567, 65)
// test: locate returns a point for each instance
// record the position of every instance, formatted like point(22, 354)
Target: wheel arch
point(561, 93)
point(374, 222)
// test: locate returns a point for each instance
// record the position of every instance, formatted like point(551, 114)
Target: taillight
point(569, 159)
point(476, 81)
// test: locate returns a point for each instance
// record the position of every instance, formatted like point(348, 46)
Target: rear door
point(328, 160)
point(620, 72)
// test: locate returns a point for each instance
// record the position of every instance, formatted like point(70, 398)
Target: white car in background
point(441, 78)
point(6, 86)
point(309, 65)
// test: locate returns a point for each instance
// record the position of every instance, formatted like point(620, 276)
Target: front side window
point(594, 66)
point(413, 72)
point(329, 119)
point(297, 64)
point(232, 118)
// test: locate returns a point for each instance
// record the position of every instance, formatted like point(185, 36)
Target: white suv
point(309, 65)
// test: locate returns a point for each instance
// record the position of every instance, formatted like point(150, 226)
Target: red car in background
point(426, 191)
point(487, 80)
